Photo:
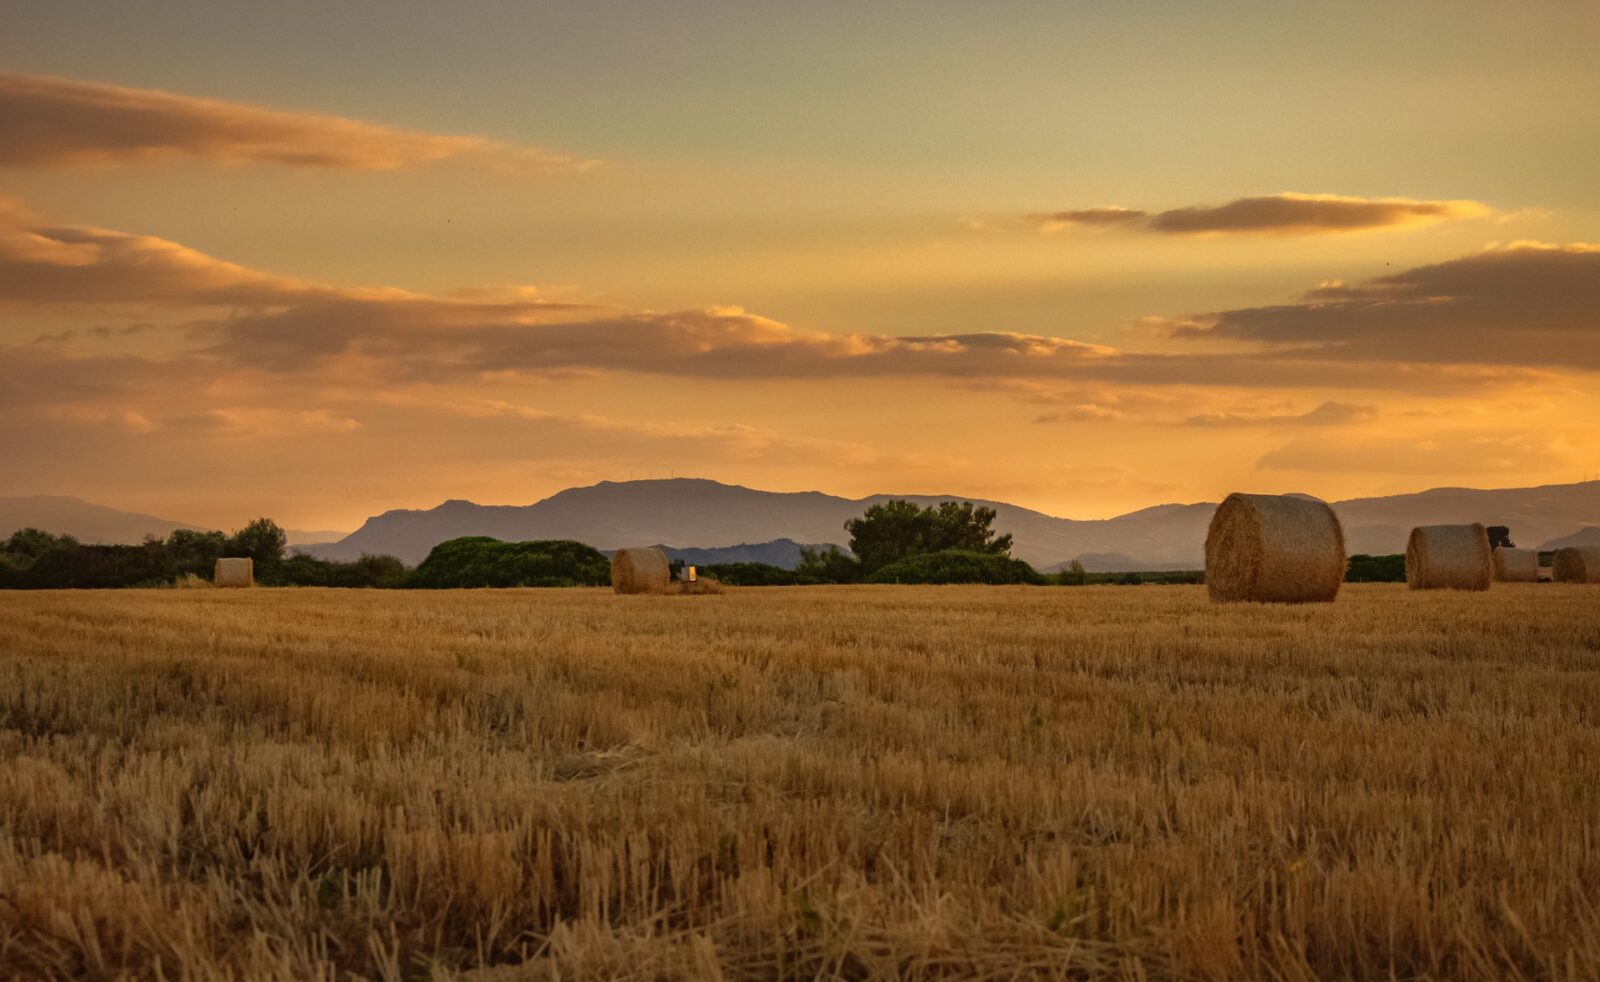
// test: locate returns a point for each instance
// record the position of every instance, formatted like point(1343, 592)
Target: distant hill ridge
point(694, 513)
point(714, 522)
point(96, 524)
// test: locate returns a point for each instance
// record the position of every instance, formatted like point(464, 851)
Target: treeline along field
point(950, 781)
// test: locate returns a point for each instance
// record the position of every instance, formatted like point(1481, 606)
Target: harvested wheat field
point(851, 781)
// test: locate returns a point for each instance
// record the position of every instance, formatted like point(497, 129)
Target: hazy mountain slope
point(690, 513)
point(307, 537)
point(1586, 537)
point(1534, 515)
point(87, 522)
point(784, 553)
point(97, 524)
point(714, 522)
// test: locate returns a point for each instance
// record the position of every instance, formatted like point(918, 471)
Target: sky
point(316, 261)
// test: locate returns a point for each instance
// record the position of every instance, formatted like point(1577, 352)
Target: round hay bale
point(640, 571)
point(234, 573)
point(1274, 548)
point(1576, 564)
point(1516, 565)
point(1449, 557)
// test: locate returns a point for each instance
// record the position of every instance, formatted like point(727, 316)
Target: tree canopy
point(895, 530)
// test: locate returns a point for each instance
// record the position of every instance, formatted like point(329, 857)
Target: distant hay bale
point(1516, 565)
point(1576, 564)
point(1449, 557)
point(1274, 549)
point(640, 571)
point(234, 573)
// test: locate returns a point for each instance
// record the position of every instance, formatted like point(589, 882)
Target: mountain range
point(687, 512)
point(706, 521)
point(96, 524)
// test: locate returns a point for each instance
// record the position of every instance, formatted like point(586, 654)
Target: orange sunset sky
point(317, 260)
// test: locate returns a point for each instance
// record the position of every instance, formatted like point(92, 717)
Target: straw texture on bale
point(640, 571)
point(1449, 557)
point(1576, 564)
point(234, 573)
point(1516, 565)
point(1275, 549)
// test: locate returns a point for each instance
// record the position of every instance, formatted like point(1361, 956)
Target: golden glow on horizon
point(215, 307)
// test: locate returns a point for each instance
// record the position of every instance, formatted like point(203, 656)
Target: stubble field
point(853, 781)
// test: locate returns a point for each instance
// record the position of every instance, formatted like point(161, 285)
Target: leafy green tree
point(887, 532)
point(31, 543)
point(966, 527)
point(897, 529)
point(193, 551)
point(262, 541)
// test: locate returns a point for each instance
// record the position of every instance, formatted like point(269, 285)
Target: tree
point(193, 551)
point(262, 541)
point(887, 532)
point(898, 529)
point(31, 543)
point(965, 527)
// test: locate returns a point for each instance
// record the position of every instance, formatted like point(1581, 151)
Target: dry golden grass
point(985, 781)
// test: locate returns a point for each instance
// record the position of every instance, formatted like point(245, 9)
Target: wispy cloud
point(47, 121)
point(1327, 414)
point(1107, 216)
point(238, 320)
point(1288, 213)
point(1526, 303)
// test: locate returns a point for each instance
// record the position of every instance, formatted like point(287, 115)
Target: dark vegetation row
point(895, 542)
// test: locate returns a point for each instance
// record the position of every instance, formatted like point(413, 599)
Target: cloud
point(242, 320)
point(77, 266)
point(1327, 414)
point(1525, 304)
point(48, 121)
point(1287, 213)
point(1106, 216)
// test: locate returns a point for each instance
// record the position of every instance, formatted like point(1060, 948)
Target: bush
point(957, 566)
point(755, 574)
point(369, 571)
point(31, 559)
point(828, 565)
point(1375, 569)
point(1073, 575)
point(479, 561)
point(79, 567)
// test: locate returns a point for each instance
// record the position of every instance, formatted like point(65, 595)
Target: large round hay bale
point(1449, 557)
point(640, 571)
point(1576, 564)
point(1274, 548)
point(1516, 565)
point(234, 573)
